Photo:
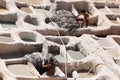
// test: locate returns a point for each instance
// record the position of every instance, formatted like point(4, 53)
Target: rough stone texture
point(101, 54)
point(65, 19)
point(81, 5)
point(112, 4)
point(31, 20)
point(99, 4)
point(95, 60)
point(63, 5)
point(21, 46)
point(34, 58)
point(2, 3)
point(93, 47)
point(10, 15)
point(9, 18)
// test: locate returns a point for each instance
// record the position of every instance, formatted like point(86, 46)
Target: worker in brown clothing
point(49, 67)
point(85, 19)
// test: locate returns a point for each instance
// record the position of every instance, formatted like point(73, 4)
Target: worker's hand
point(49, 65)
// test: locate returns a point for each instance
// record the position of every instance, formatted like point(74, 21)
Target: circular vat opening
point(117, 40)
point(30, 2)
point(8, 25)
point(85, 74)
point(6, 38)
point(55, 50)
point(20, 69)
point(81, 5)
point(27, 36)
point(31, 20)
point(99, 4)
point(113, 18)
point(58, 40)
point(24, 8)
point(77, 55)
point(3, 6)
point(104, 42)
point(3, 10)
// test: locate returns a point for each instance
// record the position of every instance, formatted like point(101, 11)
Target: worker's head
point(83, 11)
point(49, 56)
point(47, 20)
point(51, 60)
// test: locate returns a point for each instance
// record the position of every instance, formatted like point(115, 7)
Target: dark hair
point(83, 11)
point(51, 60)
point(47, 20)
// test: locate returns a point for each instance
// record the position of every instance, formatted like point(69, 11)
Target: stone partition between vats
point(10, 15)
point(67, 5)
point(2, 3)
point(22, 43)
point(92, 65)
point(88, 57)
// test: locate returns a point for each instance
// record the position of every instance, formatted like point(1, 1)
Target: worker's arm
point(77, 16)
point(46, 66)
point(80, 17)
